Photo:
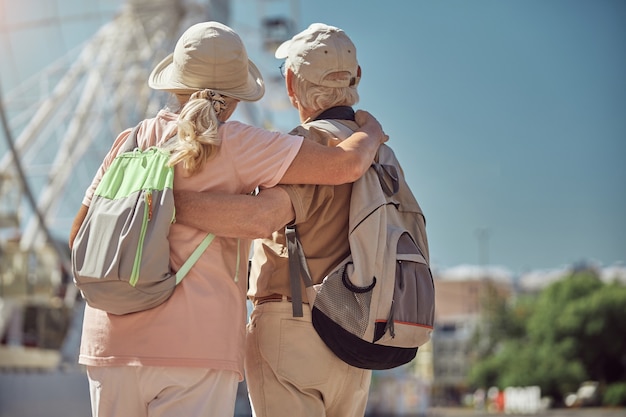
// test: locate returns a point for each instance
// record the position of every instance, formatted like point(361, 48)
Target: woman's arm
point(258, 216)
point(78, 221)
point(235, 215)
point(319, 164)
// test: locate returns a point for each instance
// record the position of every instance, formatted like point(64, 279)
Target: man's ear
point(289, 79)
point(355, 80)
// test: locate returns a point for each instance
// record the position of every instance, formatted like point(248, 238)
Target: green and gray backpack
point(120, 256)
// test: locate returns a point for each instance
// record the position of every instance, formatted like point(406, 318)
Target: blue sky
point(509, 117)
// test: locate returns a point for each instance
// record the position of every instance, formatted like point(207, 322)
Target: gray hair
point(317, 98)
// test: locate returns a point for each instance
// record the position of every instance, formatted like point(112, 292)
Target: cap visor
point(282, 51)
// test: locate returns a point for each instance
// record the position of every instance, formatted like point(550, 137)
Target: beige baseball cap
point(320, 50)
point(209, 55)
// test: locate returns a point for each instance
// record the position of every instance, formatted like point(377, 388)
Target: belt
point(273, 298)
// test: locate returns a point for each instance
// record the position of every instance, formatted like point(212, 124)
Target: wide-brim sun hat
point(209, 55)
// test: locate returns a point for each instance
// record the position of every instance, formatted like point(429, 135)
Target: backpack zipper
point(149, 204)
point(390, 323)
point(147, 216)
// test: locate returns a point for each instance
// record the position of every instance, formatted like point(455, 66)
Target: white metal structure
point(60, 123)
point(57, 125)
point(67, 116)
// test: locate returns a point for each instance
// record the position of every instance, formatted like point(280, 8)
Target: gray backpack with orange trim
point(376, 308)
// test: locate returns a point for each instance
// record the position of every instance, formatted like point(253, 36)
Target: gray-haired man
point(289, 369)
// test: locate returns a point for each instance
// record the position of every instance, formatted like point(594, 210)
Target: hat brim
point(282, 51)
point(161, 79)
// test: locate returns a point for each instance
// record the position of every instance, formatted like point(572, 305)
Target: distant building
point(459, 307)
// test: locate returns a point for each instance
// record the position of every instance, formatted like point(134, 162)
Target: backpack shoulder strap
point(334, 127)
point(298, 268)
point(182, 272)
point(131, 140)
point(387, 171)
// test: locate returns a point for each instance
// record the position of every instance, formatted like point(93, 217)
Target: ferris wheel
point(59, 123)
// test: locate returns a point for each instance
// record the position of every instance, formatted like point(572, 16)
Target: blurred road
point(559, 412)
point(66, 394)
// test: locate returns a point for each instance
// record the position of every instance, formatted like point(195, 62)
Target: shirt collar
point(337, 112)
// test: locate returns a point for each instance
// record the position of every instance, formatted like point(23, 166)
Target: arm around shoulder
point(235, 215)
point(347, 162)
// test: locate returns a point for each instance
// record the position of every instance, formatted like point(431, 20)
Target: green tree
point(572, 332)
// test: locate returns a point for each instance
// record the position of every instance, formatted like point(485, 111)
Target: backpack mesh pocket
point(348, 308)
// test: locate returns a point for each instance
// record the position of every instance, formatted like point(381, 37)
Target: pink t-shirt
point(203, 323)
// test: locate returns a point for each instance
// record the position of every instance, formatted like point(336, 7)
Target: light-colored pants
point(152, 391)
point(290, 371)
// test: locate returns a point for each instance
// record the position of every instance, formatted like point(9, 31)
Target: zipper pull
point(389, 326)
point(149, 203)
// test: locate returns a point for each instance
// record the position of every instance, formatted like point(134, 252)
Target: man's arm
point(228, 215)
point(348, 161)
point(235, 215)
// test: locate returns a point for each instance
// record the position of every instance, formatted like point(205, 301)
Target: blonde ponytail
point(197, 130)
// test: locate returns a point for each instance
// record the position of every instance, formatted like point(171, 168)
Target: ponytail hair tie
point(217, 101)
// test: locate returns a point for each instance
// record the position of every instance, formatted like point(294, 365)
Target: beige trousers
point(152, 391)
point(290, 372)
